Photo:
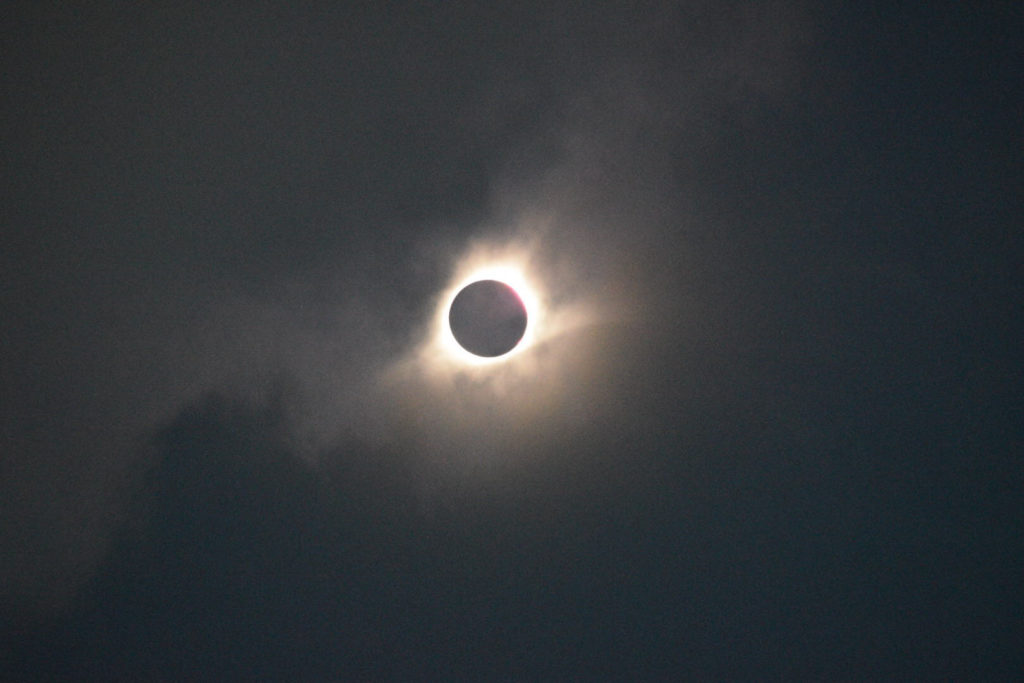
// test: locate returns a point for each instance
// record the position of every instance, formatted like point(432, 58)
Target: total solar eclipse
point(487, 318)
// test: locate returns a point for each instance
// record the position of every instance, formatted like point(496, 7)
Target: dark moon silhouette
point(487, 318)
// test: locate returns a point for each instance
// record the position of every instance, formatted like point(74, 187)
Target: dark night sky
point(770, 427)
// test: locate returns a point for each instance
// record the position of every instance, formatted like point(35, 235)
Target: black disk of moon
point(487, 318)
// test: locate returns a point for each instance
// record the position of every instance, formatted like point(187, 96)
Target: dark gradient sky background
point(772, 429)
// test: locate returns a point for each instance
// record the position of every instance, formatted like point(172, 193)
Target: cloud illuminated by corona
point(471, 410)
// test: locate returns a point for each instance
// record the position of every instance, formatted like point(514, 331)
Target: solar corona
point(489, 316)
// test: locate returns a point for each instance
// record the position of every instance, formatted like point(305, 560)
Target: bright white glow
point(515, 277)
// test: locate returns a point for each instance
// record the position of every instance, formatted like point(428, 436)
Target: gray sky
point(773, 246)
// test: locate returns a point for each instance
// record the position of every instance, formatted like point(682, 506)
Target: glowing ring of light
point(514, 278)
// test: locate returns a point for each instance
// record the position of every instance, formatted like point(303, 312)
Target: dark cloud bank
point(775, 432)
